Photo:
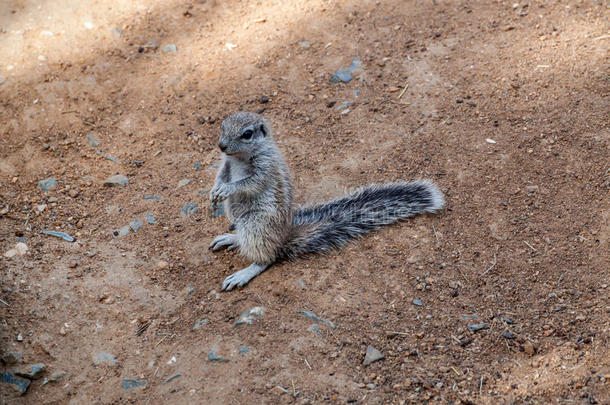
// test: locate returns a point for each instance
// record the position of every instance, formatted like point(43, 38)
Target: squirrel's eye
point(247, 134)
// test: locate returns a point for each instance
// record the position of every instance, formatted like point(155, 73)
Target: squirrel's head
point(242, 134)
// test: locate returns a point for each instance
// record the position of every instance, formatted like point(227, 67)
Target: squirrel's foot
point(242, 277)
point(220, 192)
point(228, 241)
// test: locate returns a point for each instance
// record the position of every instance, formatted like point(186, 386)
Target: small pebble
point(117, 180)
point(92, 141)
point(20, 249)
point(33, 372)
point(214, 357)
point(478, 326)
point(372, 355)
point(112, 159)
point(123, 231)
point(129, 384)
point(345, 74)
point(61, 235)
point(150, 218)
point(172, 378)
point(47, 184)
point(189, 209)
point(54, 377)
point(136, 224)
point(508, 335)
point(417, 302)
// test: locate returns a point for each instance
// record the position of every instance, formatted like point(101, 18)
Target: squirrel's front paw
point(220, 192)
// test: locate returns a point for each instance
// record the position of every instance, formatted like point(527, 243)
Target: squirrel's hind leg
point(242, 277)
point(228, 241)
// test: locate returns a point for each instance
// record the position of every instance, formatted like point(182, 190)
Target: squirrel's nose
point(222, 146)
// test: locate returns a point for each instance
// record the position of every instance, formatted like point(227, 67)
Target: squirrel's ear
point(263, 130)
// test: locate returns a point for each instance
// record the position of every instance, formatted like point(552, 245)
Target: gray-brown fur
point(254, 183)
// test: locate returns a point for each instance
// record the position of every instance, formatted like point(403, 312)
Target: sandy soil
point(505, 107)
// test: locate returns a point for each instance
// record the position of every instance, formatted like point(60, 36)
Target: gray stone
point(183, 182)
point(508, 335)
point(343, 105)
point(104, 358)
point(47, 184)
point(169, 48)
point(243, 349)
point(372, 355)
point(33, 371)
point(123, 231)
point(314, 328)
point(189, 209)
point(478, 326)
point(150, 218)
point(19, 384)
point(54, 377)
point(116, 32)
point(417, 302)
point(130, 384)
point(112, 159)
point(247, 317)
point(304, 44)
point(309, 314)
point(136, 224)
point(197, 166)
point(214, 357)
point(152, 197)
point(58, 234)
point(172, 378)
point(116, 180)
point(92, 141)
point(345, 74)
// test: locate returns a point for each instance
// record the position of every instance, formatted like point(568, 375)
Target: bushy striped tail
point(333, 224)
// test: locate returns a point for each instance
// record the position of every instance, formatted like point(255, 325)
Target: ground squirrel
point(254, 183)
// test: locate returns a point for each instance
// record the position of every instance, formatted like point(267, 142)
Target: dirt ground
point(506, 108)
